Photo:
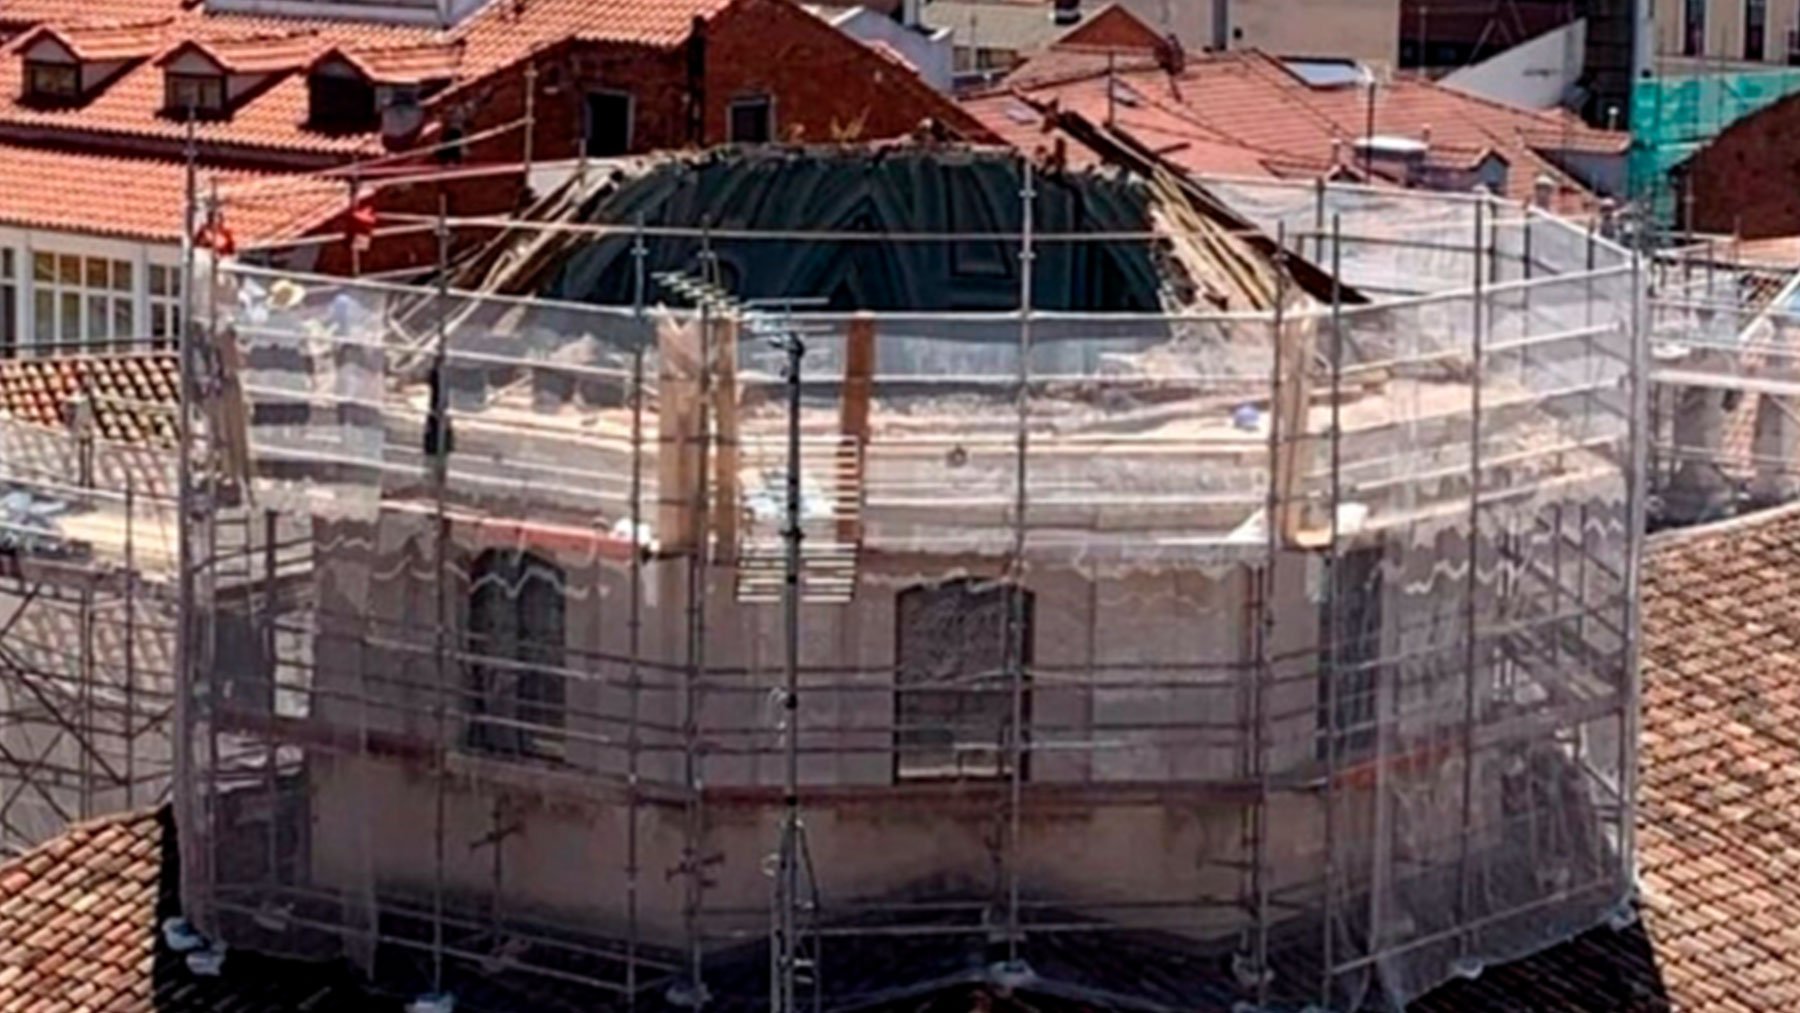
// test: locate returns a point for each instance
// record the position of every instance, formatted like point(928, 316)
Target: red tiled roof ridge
point(126, 38)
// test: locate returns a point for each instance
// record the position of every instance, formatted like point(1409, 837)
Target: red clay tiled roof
point(496, 36)
point(133, 396)
point(251, 54)
point(1250, 100)
point(101, 40)
point(135, 198)
point(404, 64)
point(79, 933)
point(1719, 802)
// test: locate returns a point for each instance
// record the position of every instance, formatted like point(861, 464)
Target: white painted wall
point(1535, 74)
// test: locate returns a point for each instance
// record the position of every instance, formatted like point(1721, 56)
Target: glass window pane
point(68, 324)
point(121, 324)
point(96, 273)
point(6, 264)
point(43, 328)
point(121, 275)
point(9, 319)
point(97, 317)
point(68, 269)
point(159, 280)
point(43, 266)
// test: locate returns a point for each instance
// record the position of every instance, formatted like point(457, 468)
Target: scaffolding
point(551, 653)
point(87, 639)
point(1725, 353)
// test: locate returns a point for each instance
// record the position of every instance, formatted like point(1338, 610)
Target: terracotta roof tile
point(132, 398)
point(251, 54)
point(101, 40)
point(91, 949)
point(137, 198)
point(496, 36)
point(1250, 100)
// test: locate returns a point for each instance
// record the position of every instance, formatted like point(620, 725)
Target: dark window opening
point(1756, 28)
point(953, 700)
point(752, 121)
point(1350, 614)
point(201, 94)
point(515, 643)
point(608, 124)
point(1693, 40)
point(9, 304)
point(340, 103)
point(52, 82)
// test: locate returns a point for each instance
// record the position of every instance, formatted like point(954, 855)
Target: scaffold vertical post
point(438, 454)
point(1015, 596)
point(635, 618)
point(1471, 611)
point(1334, 630)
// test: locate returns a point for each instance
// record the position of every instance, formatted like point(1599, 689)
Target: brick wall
point(825, 85)
point(1748, 179)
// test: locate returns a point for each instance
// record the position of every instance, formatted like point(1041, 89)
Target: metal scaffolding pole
point(694, 860)
point(437, 450)
point(1015, 597)
point(1334, 629)
point(635, 621)
point(792, 535)
point(1471, 610)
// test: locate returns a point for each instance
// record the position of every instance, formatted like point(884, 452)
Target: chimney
point(912, 13)
point(1066, 12)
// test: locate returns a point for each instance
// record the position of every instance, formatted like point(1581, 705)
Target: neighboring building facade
point(1701, 34)
point(92, 117)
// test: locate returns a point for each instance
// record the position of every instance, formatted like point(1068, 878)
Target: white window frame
point(26, 244)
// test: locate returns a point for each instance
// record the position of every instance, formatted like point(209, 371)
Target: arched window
point(953, 692)
point(515, 637)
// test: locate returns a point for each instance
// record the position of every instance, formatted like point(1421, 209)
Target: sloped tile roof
point(1250, 100)
point(119, 40)
point(1719, 815)
point(132, 396)
point(496, 36)
point(134, 198)
point(79, 933)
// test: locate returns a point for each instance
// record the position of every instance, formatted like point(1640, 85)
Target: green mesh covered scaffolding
point(1675, 115)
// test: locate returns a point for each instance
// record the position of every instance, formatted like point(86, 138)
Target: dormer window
point(202, 95)
point(52, 82)
point(340, 101)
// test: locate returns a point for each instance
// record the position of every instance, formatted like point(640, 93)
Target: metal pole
point(127, 724)
point(1635, 503)
point(1272, 510)
point(635, 622)
point(185, 638)
point(693, 829)
point(790, 606)
point(438, 425)
point(1471, 612)
point(1015, 612)
point(1333, 631)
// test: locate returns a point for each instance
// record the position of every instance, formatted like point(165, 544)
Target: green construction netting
point(1674, 116)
